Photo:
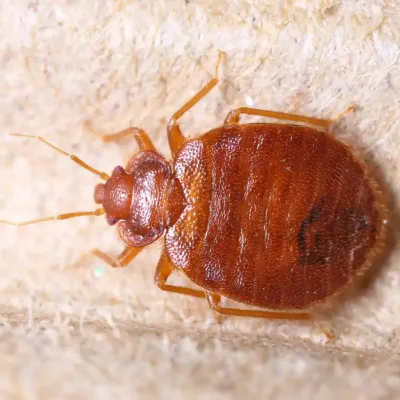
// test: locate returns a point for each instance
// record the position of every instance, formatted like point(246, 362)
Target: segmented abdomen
point(279, 216)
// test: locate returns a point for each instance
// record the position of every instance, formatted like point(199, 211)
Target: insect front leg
point(126, 256)
point(141, 137)
point(164, 270)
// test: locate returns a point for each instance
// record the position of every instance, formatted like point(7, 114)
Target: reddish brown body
point(277, 216)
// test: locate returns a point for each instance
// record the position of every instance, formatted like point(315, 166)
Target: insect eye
point(118, 170)
point(111, 221)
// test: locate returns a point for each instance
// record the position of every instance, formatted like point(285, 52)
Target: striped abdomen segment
point(279, 216)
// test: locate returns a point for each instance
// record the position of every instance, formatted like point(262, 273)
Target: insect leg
point(214, 301)
point(175, 137)
point(343, 114)
point(126, 256)
point(141, 137)
point(234, 116)
point(164, 270)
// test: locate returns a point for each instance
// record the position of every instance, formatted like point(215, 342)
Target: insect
point(273, 215)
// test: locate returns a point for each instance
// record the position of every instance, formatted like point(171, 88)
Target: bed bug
point(279, 216)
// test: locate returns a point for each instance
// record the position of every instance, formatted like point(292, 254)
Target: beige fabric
point(84, 332)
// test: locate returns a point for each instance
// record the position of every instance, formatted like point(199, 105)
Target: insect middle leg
point(141, 137)
point(176, 138)
point(214, 301)
point(233, 116)
point(164, 270)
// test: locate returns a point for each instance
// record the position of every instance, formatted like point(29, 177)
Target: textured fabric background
point(92, 332)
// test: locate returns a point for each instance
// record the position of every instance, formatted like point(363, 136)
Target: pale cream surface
point(80, 331)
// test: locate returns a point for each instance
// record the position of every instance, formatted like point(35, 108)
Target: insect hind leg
point(214, 300)
point(233, 116)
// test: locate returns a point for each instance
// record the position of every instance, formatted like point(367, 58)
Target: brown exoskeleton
point(274, 215)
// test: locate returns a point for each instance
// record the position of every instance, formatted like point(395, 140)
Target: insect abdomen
point(288, 215)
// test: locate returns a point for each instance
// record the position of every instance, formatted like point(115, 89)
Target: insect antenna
point(73, 157)
point(102, 175)
point(99, 211)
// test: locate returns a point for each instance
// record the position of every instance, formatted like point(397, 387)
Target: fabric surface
point(87, 331)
